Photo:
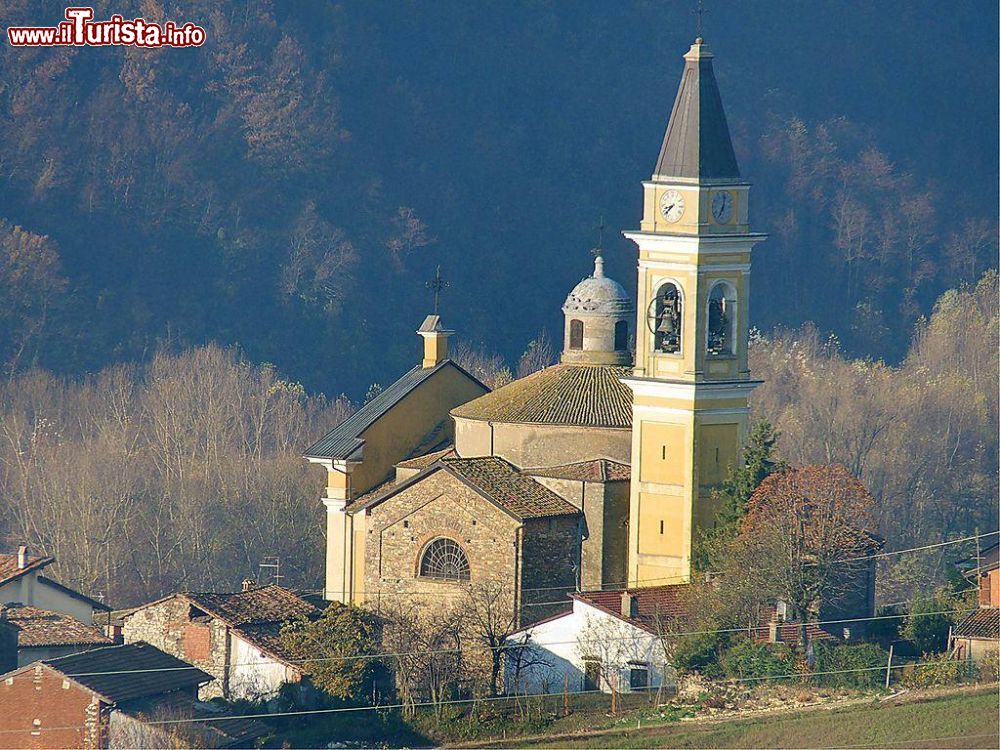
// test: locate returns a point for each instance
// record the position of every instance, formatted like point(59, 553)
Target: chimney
point(22, 556)
point(630, 607)
point(435, 337)
point(248, 584)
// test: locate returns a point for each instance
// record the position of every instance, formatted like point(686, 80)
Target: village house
point(233, 637)
point(42, 634)
point(111, 698)
point(614, 641)
point(603, 643)
point(978, 634)
point(22, 582)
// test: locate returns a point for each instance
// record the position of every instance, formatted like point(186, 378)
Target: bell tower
point(691, 380)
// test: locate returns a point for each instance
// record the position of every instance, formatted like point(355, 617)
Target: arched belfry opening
point(665, 319)
point(721, 338)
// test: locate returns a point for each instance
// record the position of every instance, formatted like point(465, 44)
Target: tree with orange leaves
point(804, 540)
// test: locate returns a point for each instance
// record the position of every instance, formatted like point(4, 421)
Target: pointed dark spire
point(697, 142)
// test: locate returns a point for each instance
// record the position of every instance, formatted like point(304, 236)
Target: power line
point(529, 644)
point(459, 701)
point(685, 579)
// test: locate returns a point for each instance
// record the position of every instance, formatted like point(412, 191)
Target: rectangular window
point(592, 675)
point(638, 677)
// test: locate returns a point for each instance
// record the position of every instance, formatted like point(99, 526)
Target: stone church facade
point(594, 473)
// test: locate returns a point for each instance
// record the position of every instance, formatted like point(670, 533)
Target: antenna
point(272, 566)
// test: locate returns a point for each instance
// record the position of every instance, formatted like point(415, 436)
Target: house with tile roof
point(23, 581)
point(978, 633)
point(114, 697)
point(233, 637)
point(43, 634)
point(611, 640)
point(608, 642)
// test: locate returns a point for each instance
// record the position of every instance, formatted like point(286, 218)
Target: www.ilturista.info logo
point(79, 30)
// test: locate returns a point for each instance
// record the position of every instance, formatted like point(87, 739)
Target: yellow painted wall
point(396, 434)
point(663, 453)
point(662, 524)
point(716, 449)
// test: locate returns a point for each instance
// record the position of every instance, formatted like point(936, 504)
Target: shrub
point(748, 659)
point(989, 666)
point(929, 632)
point(934, 670)
point(700, 652)
point(839, 658)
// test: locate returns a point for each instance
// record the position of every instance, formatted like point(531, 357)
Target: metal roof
point(345, 439)
point(697, 141)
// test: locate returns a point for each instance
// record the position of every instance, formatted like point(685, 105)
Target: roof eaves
point(363, 419)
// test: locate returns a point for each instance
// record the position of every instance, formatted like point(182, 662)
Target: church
point(594, 473)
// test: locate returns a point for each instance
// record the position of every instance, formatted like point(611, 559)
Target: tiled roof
point(257, 615)
point(362, 501)
point(136, 670)
point(980, 623)
point(579, 395)
point(39, 627)
point(345, 439)
point(9, 571)
point(502, 483)
point(266, 604)
point(598, 470)
point(652, 604)
point(422, 462)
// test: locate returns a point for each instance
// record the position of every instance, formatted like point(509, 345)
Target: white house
point(607, 642)
point(22, 582)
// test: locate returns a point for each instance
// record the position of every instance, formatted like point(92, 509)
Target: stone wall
point(549, 558)
point(180, 629)
point(400, 528)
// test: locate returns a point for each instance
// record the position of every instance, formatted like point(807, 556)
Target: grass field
point(956, 721)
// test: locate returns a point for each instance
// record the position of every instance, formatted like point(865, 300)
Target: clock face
point(672, 206)
point(722, 207)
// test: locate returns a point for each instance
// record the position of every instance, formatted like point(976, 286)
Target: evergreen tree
point(759, 462)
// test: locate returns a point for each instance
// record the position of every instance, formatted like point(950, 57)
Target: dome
point(598, 295)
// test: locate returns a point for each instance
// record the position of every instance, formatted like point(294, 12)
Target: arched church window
point(576, 334)
point(721, 319)
point(664, 319)
point(445, 560)
point(621, 336)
